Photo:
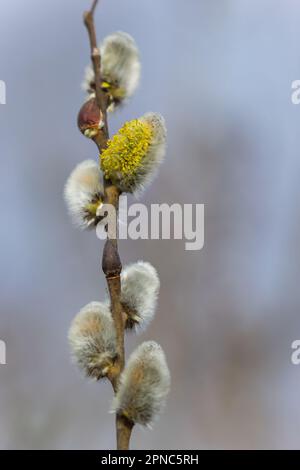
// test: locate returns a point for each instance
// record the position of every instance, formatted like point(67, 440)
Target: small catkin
point(139, 291)
point(84, 194)
point(92, 340)
point(134, 154)
point(120, 69)
point(144, 385)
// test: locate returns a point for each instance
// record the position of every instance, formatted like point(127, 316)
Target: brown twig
point(96, 61)
point(124, 429)
point(111, 262)
point(93, 7)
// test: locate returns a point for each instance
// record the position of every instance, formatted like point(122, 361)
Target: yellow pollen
point(92, 207)
point(125, 151)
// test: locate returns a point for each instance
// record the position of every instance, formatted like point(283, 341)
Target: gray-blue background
point(220, 72)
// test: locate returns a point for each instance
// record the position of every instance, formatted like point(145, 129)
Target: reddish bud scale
point(90, 119)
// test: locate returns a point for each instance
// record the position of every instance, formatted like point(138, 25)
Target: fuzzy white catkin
point(144, 385)
point(92, 339)
point(139, 291)
point(120, 64)
point(82, 189)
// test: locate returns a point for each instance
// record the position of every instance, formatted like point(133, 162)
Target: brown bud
point(111, 263)
point(90, 119)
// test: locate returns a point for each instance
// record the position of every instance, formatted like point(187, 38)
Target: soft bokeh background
point(221, 73)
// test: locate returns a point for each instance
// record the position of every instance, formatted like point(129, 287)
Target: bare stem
point(96, 61)
point(93, 8)
point(124, 429)
point(110, 261)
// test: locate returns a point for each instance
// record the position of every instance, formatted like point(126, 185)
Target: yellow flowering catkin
point(123, 157)
point(133, 155)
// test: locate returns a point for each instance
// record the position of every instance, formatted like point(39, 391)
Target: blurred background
point(220, 72)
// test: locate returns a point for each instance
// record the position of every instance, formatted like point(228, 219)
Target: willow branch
point(124, 429)
point(96, 61)
point(111, 263)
